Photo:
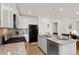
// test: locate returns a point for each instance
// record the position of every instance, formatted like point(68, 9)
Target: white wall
point(42, 22)
point(72, 22)
point(43, 25)
point(24, 21)
point(77, 24)
point(59, 25)
point(55, 27)
point(63, 25)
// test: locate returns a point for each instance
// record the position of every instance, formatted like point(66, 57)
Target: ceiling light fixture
point(61, 9)
point(29, 12)
point(77, 12)
point(48, 15)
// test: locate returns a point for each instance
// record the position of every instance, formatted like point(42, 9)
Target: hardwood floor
point(33, 49)
point(77, 52)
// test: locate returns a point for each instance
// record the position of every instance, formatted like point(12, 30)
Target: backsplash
point(20, 31)
point(23, 31)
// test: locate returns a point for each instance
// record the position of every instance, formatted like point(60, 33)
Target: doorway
point(55, 27)
point(33, 33)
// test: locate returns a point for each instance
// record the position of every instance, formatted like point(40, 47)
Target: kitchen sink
point(63, 38)
point(46, 36)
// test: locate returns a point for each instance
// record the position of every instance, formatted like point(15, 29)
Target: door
point(55, 27)
point(33, 33)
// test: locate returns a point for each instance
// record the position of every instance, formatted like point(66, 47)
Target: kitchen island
point(55, 46)
point(13, 49)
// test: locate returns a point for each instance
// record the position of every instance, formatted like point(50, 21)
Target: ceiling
point(56, 10)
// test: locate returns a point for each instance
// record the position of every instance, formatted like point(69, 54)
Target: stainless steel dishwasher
point(52, 48)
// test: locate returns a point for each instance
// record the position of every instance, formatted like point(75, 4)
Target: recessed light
point(29, 12)
point(48, 15)
point(61, 9)
point(77, 12)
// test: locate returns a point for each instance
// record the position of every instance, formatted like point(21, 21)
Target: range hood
point(14, 21)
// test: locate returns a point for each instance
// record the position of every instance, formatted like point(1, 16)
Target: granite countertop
point(19, 35)
point(13, 49)
point(58, 41)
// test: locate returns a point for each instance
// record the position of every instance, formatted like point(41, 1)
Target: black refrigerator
point(33, 33)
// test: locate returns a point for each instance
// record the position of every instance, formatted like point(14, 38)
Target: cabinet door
point(68, 49)
point(10, 19)
point(5, 18)
point(40, 42)
point(44, 45)
point(26, 37)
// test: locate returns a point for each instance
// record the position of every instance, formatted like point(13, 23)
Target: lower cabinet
point(53, 48)
point(26, 37)
point(42, 43)
point(67, 49)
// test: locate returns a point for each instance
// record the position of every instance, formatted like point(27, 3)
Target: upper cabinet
point(0, 14)
point(7, 11)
